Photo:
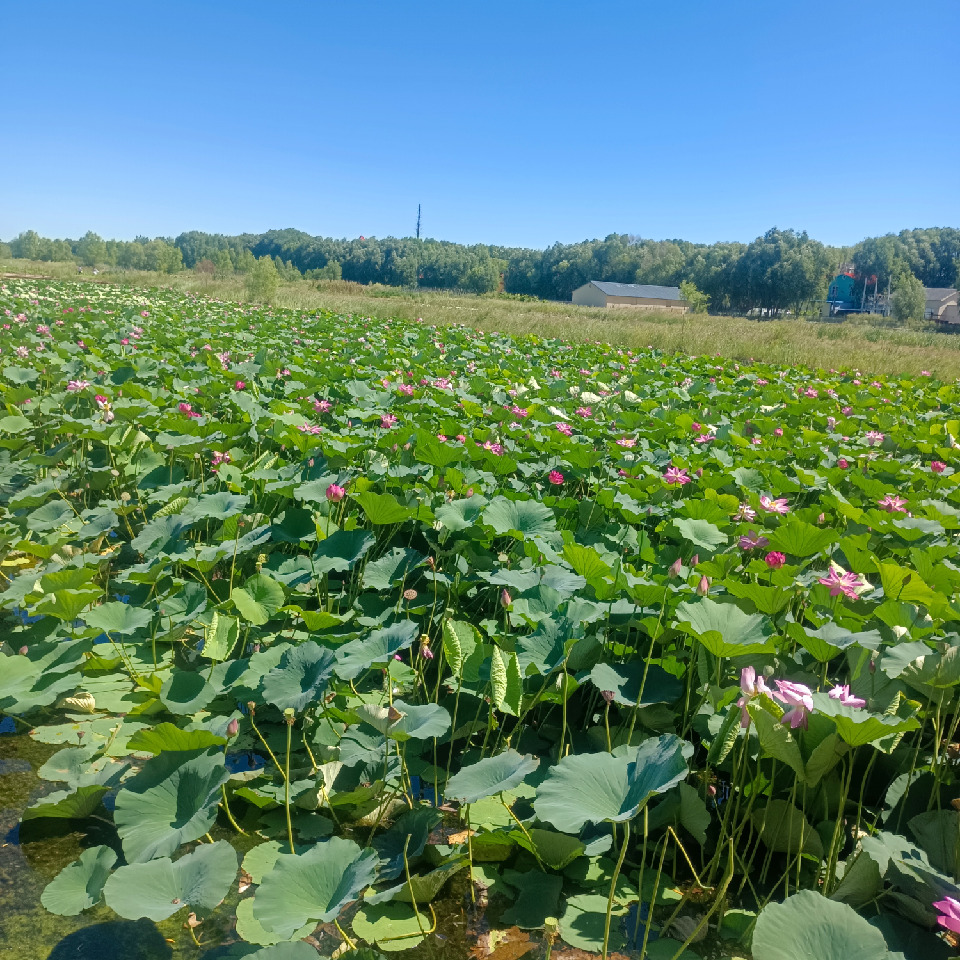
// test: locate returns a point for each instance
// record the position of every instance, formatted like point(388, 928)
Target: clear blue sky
point(511, 121)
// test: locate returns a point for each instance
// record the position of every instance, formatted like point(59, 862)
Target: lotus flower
point(798, 698)
point(846, 698)
point(676, 477)
point(751, 686)
point(843, 581)
point(950, 914)
point(335, 493)
point(779, 505)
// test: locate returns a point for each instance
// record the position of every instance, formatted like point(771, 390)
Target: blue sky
point(520, 122)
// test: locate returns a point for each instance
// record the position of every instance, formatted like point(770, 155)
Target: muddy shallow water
point(32, 855)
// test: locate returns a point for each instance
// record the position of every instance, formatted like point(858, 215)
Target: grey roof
point(647, 290)
point(939, 293)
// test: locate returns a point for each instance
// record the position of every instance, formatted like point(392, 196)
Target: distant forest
point(780, 270)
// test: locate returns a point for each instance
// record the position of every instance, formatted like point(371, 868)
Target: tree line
point(781, 270)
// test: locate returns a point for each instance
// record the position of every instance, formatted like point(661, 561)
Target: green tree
point(698, 301)
point(262, 281)
point(91, 249)
point(222, 264)
point(908, 300)
point(26, 246)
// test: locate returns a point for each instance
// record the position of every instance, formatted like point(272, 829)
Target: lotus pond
point(330, 635)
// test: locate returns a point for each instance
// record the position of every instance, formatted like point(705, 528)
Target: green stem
point(613, 888)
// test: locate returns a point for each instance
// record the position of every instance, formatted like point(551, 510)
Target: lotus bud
point(22, 651)
point(607, 695)
point(873, 665)
point(81, 734)
point(675, 568)
point(335, 493)
point(505, 600)
point(699, 472)
point(711, 790)
point(233, 727)
point(695, 559)
point(703, 587)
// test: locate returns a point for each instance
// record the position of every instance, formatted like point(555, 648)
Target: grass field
point(789, 342)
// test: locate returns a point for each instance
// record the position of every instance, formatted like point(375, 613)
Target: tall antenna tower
point(418, 221)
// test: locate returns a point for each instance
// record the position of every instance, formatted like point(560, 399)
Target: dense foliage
point(780, 270)
point(676, 638)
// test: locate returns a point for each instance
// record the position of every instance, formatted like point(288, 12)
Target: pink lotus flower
point(584, 412)
point(703, 587)
point(555, 477)
point(778, 432)
point(950, 914)
point(745, 513)
point(505, 599)
point(938, 466)
point(779, 505)
point(893, 504)
point(750, 686)
point(752, 541)
point(675, 477)
point(321, 406)
point(565, 429)
point(844, 582)
point(775, 560)
point(874, 437)
point(627, 442)
point(843, 463)
point(846, 698)
point(218, 458)
point(387, 421)
point(798, 698)
point(240, 385)
point(74, 385)
point(442, 437)
point(335, 493)
point(675, 568)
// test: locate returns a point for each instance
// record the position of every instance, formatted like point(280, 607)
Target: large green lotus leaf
point(342, 550)
point(701, 533)
point(827, 641)
point(215, 506)
point(410, 832)
point(79, 885)
point(422, 888)
point(537, 899)
point(419, 722)
point(162, 535)
point(378, 648)
point(115, 617)
point(250, 929)
point(624, 681)
point(392, 568)
point(586, 562)
point(798, 539)
point(490, 776)
point(724, 629)
point(785, 829)
point(556, 850)
point(808, 926)
point(858, 726)
point(68, 804)
point(171, 801)
point(184, 692)
point(583, 921)
point(67, 605)
point(597, 787)
point(938, 833)
point(460, 515)
point(382, 508)
point(159, 888)
point(520, 518)
point(300, 678)
point(383, 923)
point(314, 886)
point(258, 599)
point(168, 736)
point(13, 423)
point(49, 516)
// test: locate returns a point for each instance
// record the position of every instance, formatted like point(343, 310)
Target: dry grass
point(790, 342)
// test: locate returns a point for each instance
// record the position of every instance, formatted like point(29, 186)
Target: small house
point(941, 304)
point(647, 296)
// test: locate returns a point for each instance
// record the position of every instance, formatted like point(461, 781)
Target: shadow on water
point(114, 940)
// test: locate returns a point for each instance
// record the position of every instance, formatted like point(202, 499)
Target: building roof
point(649, 291)
point(939, 293)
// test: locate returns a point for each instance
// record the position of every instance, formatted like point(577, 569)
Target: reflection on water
point(33, 854)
